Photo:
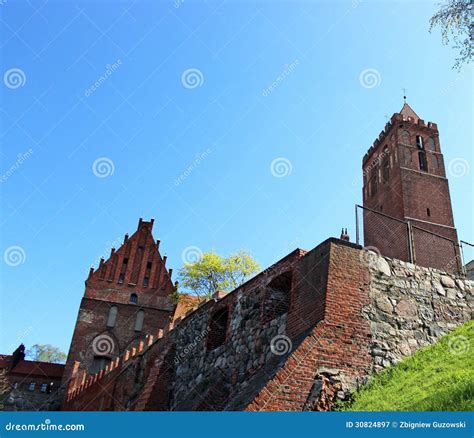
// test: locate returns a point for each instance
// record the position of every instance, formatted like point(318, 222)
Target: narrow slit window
point(112, 317)
point(139, 321)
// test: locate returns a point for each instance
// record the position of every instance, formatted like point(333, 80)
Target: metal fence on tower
point(409, 242)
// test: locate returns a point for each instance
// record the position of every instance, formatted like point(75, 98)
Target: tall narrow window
point(428, 212)
point(434, 161)
point(146, 278)
point(133, 299)
point(139, 321)
point(44, 387)
point(31, 386)
point(112, 316)
point(422, 160)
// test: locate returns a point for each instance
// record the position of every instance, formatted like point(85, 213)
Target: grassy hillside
point(436, 378)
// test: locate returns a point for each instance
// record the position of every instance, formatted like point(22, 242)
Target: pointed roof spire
point(407, 111)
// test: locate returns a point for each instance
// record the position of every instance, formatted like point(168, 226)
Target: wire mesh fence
point(403, 240)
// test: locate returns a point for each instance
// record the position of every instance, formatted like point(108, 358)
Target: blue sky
point(122, 110)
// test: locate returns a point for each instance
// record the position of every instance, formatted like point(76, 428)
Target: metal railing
point(407, 241)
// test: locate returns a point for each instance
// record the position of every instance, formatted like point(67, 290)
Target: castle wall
point(350, 313)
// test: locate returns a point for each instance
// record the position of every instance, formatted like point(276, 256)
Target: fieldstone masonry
point(411, 307)
point(299, 336)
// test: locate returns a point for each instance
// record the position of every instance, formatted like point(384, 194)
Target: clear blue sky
point(151, 128)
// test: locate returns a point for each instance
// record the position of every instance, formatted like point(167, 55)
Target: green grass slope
point(436, 378)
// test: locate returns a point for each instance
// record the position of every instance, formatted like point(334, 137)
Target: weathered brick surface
point(135, 268)
point(348, 315)
point(406, 191)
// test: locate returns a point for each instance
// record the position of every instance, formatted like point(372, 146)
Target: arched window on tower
point(112, 317)
point(434, 161)
point(139, 321)
point(133, 299)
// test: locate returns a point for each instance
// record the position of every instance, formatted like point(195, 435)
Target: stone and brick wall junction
point(298, 336)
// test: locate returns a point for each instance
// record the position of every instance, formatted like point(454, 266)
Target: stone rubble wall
point(411, 307)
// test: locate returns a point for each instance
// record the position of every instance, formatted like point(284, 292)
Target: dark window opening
point(277, 297)
point(148, 265)
point(133, 299)
point(428, 212)
point(98, 364)
point(422, 160)
point(146, 281)
point(381, 208)
point(121, 277)
point(44, 387)
point(217, 329)
point(125, 261)
point(31, 386)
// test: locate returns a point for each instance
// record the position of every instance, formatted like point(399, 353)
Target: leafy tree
point(46, 353)
point(213, 272)
point(454, 19)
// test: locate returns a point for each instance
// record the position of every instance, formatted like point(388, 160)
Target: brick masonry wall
point(351, 313)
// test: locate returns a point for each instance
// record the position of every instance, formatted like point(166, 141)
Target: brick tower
point(126, 298)
point(405, 178)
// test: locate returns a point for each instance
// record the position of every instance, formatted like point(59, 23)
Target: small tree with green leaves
point(212, 273)
point(455, 20)
point(46, 353)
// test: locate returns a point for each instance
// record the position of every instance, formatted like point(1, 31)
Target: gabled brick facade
point(133, 281)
